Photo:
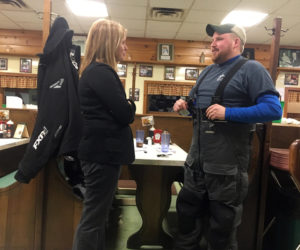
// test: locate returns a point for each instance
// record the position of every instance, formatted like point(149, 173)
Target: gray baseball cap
point(227, 28)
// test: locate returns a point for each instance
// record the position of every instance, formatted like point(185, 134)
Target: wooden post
point(41, 179)
point(267, 142)
point(275, 49)
point(46, 20)
point(133, 81)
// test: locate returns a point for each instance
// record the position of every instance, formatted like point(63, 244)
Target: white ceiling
point(135, 16)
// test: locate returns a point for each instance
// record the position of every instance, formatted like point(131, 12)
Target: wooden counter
point(12, 142)
point(11, 152)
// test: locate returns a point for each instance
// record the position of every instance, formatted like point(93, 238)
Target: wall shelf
point(169, 63)
point(18, 80)
point(287, 69)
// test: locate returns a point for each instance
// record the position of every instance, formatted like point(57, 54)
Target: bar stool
point(288, 160)
point(283, 200)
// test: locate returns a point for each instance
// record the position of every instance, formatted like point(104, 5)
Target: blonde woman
point(107, 140)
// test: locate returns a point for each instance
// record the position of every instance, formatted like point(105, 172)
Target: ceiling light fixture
point(244, 18)
point(87, 8)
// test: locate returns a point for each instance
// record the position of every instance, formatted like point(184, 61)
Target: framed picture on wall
point(249, 53)
point(146, 70)
point(122, 69)
point(170, 72)
point(165, 52)
point(136, 94)
point(289, 58)
point(3, 63)
point(291, 79)
point(25, 65)
point(191, 74)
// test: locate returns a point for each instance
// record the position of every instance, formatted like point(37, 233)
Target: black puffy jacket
point(58, 123)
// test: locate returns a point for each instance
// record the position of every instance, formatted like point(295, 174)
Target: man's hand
point(180, 105)
point(215, 112)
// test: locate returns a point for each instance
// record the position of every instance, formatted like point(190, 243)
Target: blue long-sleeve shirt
point(268, 108)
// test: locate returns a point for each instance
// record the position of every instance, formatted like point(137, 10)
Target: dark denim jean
point(101, 183)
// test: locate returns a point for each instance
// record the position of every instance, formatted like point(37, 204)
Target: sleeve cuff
point(20, 177)
point(132, 104)
point(227, 114)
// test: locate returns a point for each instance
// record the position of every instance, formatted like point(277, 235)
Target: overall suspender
point(218, 97)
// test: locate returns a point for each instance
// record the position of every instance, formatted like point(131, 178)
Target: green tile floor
point(125, 220)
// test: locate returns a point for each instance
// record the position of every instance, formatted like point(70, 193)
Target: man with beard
point(229, 97)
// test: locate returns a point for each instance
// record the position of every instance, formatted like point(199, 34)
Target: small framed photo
point(191, 74)
point(165, 52)
point(122, 70)
point(289, 58)
point(291, 79)
point(3, 63)
point(146, 70)
point(170, 72)
point(249, 53)
point(136, 94)
point(25, 65)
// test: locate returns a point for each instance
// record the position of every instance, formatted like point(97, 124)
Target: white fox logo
point(58, 84)
point(40, 138)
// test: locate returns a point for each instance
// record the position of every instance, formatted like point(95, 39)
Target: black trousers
point(210, 203)
point(199, 215)
point(101, 182)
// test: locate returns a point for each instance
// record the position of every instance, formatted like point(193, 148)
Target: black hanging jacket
point(58, 123)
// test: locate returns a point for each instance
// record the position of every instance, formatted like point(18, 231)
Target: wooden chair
point(294, 162)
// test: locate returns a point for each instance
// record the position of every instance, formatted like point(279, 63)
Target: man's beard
point(223, 55)
point(219, 58)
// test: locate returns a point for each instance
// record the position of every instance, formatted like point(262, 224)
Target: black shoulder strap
point(218, 97)
point(194, 89)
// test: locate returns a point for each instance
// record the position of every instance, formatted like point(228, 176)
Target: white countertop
point(6, 143)
point(286, 125)
point(152, 155)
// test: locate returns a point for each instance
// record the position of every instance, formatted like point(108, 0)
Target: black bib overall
point(215, 183)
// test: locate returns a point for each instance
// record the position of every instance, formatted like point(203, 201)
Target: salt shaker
point(149, 141)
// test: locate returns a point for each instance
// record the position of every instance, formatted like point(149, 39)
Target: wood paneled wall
point(27, 116)
point(186, 52)
point(20, 42)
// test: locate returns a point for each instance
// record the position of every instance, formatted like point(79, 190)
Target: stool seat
point(288, 160)
point(279, 158)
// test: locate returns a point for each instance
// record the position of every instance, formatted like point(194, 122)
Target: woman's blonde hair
point(103, 40)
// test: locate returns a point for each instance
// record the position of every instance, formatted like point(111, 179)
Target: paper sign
point(21, 131)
